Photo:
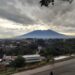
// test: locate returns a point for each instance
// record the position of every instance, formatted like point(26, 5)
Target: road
point(64, 69)
point(61, 68)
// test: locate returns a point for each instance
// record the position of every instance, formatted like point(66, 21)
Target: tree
point(1, 53)
point(41, 42)
point(18, 62)
point(48, 53)
point(47, 2)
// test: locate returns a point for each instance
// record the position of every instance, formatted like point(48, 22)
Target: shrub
point(18, 62)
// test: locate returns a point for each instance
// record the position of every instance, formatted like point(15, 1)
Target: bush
point(18, 62)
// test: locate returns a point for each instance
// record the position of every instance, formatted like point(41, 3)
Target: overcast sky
point(18, 17)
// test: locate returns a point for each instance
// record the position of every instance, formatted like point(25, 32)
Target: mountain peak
point(43, 34)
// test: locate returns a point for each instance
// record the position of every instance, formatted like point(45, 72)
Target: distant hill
point(43, 34)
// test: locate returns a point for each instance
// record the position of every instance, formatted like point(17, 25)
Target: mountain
point(43, 34)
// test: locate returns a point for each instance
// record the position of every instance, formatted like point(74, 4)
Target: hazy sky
point(18, 17)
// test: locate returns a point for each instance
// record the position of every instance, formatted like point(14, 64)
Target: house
point(7, 59)
point(0, 60)
point(11, 58)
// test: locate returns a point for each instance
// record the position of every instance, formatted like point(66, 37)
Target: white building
point(33, 58)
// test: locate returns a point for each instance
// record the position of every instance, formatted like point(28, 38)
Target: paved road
point(61, 68)
point(65, 69)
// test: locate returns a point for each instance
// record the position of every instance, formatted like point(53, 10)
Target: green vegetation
point(18, 62)
point(59, 47)
point(47, 2)
point(50, 49)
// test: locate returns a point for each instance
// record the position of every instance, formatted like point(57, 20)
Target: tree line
point(51, 47)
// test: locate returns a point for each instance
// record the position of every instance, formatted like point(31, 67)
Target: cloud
point(28, 15)
point(30, 11)
point(10, 29)
point(16, 11)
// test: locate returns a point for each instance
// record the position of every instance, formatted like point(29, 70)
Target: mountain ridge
point(43, 34)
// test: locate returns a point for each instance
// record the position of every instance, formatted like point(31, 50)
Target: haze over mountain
point(43, 34)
